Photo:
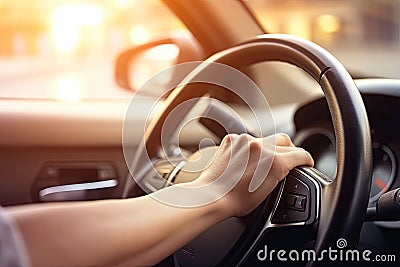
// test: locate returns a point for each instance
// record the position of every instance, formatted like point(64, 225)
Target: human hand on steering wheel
point(231, 157)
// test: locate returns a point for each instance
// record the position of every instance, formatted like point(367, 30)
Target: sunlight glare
point(67, 21)
point(69, 89)
point(163, 52)
point(139, 34)
point(89, 14)
point(123, 3)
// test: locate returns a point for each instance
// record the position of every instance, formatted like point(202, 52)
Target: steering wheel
point(331, 212)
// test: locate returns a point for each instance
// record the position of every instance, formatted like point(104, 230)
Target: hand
point(250, 158)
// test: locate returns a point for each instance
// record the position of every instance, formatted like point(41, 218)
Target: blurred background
point(65, 49)
point(363, 34)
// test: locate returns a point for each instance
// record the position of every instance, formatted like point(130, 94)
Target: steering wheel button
point(290, 200)
point(300, 203)
point(296, 186)
point(295, 202)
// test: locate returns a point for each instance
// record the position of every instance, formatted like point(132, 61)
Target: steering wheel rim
point(353, 141)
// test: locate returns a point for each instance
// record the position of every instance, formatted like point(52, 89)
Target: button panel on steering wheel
point(298, 202)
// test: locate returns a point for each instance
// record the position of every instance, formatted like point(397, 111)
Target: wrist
point(220, 201)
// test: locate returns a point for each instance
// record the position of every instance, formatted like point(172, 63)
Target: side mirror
point(135, 66)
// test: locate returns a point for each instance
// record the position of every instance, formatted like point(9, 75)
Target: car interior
point(83, 123)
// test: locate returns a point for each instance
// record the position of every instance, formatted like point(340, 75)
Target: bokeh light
point(139, 34)
point(68, 89)
point(328, 23)
point(67, 22)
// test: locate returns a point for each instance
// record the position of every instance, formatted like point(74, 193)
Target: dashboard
point(314, 132)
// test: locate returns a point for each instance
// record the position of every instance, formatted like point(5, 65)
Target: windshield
point(65, 49)
point(363, 34)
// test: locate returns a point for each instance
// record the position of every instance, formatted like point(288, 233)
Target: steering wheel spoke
point(162, 173)
point(299, 199)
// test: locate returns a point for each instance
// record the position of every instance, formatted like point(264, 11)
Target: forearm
point(105, 232)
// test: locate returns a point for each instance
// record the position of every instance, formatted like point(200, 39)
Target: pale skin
point(143, 231)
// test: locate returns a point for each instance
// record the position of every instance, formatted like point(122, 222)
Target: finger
point(227, 140)
point(286, 149)
point(297, 158)
point(282, 139)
